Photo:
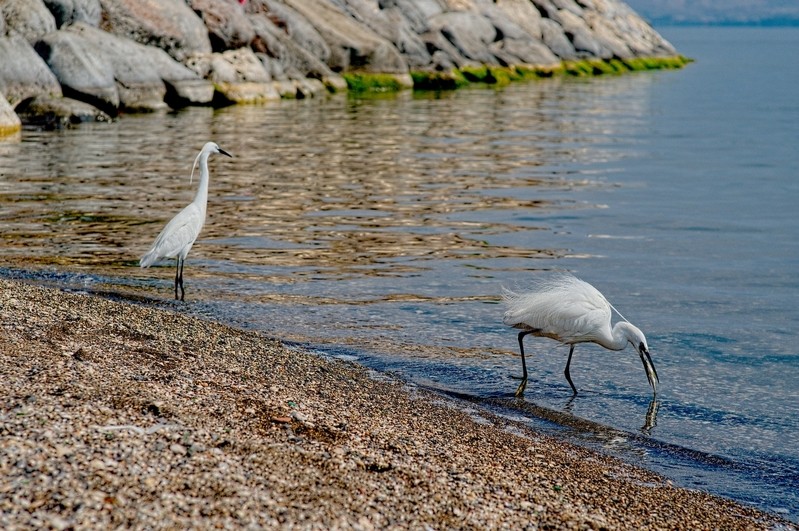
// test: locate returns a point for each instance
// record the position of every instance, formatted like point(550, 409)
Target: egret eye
point(641, 347)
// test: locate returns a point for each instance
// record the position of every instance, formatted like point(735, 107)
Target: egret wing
point(562, 307)
point(179, 233)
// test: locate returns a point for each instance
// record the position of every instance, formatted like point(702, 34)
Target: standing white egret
point(569, 310)
point(178, 236)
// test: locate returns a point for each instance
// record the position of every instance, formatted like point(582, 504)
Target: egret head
point(212, 147)
point(208, 148)
point(638, 340)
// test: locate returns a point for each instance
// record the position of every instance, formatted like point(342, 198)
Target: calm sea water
point(382, 229)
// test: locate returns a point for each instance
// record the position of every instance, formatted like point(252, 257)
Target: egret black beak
point(222, 151)
point(649, 367)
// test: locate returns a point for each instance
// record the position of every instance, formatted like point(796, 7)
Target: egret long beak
point(222, 151)
point(649, 367)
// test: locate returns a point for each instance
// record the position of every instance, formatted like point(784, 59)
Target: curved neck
point(201, 197)
point(620, 336)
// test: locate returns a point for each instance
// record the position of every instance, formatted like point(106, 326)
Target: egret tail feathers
point(148, 259)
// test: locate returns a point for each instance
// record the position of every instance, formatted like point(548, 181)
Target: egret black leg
point(182, 291)
point(523, 385)
point(566, 372)
point(177, 276)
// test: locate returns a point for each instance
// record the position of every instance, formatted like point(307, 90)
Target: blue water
point(383, 229)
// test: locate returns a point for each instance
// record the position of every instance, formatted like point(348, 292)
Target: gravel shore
point(118, 415)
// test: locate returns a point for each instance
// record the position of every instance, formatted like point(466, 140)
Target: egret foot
point(520, 390)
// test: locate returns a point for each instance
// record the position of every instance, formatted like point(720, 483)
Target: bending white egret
point(178, 236)
point(569, 310)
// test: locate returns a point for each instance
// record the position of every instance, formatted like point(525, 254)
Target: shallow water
point(382, 230)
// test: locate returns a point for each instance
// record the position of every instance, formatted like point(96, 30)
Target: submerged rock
point(56, 113)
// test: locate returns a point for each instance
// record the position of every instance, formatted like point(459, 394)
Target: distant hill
point(758, 12)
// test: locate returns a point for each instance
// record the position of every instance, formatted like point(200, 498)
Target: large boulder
point(228, 26)
point(607, 36)
point(514, 44)
point(353, 46)
point(23, 74)
point(29, 18)
point(68, 12)
point(9, 121)
point(167, 24)
point(294, 25)
point(288, 57)
point(183, 86)
point(417, 12)
point(114, 73)
point(391, 24)
point(523, 13)
point(470, 33)
point(85, 74)
point(583, 39)
point(639, 36)
point(556, 40)
point(238, 76)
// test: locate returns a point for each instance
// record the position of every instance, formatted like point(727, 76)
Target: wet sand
point(113, 414)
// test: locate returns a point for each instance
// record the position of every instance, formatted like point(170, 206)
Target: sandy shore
point(118, 415)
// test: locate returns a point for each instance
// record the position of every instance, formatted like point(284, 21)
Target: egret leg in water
point(569, 310)
point(177, 238)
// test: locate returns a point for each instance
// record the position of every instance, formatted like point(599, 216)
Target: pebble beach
point(121, 415)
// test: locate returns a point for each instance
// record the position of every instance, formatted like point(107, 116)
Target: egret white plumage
point(177, 238)
point(569, 310)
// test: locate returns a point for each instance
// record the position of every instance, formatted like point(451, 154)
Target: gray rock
point(353, 46)
point(167, 24)
point(605, 34)
point(111, 72)
point(582, 37)
point(23, 74)
point(83, 73)
point(515, 45)
point(287, 55)
point(238, 76)
point(29, 18)
point(9, 121)
point(415, 12)
point(57, 113)
point(445, 55)
point(295, 26)
point(470, 33)
point(228, 26)
point(569, 5)
point(523, 13)
point(183, 86)
point(556, 40)
point(139, 84)
point(522, 52)
point(68, 12)
point(391, 24)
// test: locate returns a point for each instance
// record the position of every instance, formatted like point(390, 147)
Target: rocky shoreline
point(70, 61)
point(120, 415)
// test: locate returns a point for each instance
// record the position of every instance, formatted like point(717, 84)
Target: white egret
point(569, 310)
point(178, 236)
